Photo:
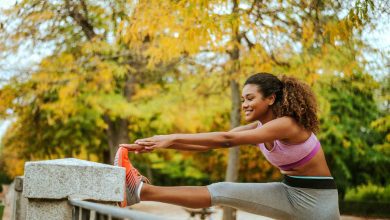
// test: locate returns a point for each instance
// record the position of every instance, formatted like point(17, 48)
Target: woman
point(283, 116)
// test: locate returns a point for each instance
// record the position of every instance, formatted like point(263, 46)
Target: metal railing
point(85, 210)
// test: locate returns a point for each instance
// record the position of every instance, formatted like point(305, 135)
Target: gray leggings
point(277, 200)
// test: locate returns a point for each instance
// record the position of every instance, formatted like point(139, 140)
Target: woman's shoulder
point(286, 120)
point(297, 133)
point(289, 126)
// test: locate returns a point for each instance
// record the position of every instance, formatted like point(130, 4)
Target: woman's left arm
point(280, 128)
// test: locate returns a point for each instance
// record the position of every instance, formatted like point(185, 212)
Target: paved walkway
point(174, 212)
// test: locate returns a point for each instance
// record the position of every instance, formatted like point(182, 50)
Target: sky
point(378, 38)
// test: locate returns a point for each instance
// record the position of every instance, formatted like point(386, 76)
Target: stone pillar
point(20, 202)
point(49, 184)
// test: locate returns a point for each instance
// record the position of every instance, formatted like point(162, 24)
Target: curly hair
point(293, 98)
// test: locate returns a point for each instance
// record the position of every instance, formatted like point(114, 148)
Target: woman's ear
point(271, 99)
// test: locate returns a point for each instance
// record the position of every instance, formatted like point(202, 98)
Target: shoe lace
point(143, 178)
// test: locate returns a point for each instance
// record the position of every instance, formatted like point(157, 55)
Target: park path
point(174, 212)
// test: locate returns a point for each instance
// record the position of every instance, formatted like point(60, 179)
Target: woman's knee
point(221, 188)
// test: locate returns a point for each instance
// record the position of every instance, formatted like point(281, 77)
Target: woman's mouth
point(248, 112)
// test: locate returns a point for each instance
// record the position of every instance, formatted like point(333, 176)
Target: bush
point(369, 192)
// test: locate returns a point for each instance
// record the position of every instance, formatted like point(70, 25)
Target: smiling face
point(254, 105)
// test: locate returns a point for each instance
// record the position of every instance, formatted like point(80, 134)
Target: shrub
point(369, 192)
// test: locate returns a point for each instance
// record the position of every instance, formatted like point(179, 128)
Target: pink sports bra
point(289, 156)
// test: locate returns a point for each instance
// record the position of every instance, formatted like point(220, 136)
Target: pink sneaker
point(134, 180)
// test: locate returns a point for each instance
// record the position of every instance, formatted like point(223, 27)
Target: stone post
point(49, 184)
point(20, 202)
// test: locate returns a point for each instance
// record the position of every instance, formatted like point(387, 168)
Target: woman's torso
point(304, 146)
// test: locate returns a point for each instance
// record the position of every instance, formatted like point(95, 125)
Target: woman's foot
point(134, 180)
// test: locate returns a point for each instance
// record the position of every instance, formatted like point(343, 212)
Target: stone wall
point(47, 186)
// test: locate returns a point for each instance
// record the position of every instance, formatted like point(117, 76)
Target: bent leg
point(188, 196)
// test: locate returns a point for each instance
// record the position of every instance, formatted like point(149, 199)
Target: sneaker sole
point(119, 162)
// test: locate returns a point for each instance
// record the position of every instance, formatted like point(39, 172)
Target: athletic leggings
point(293, 198)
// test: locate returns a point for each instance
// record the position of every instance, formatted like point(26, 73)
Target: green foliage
point(1, 211)
point(369, 192)
point(4, 178)
point(360, 13)
point(346, 132)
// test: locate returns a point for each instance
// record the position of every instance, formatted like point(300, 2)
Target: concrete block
point(48, 209)
point(63, 178)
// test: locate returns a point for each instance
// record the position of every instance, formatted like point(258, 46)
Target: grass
point(1, 211)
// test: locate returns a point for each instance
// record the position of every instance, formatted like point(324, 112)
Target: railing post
point(20, 202)
point(49, 184)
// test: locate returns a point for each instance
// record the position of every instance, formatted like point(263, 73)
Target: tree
point(119, 69)
point(93, 68)
point(245, 36)
point(347, 135)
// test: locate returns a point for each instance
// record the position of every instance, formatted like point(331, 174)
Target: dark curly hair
point(292, 98)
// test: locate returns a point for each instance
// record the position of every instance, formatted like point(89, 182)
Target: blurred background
point(78, 77)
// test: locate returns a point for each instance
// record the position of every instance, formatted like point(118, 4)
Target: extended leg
point(188, 196)
point(137, 188)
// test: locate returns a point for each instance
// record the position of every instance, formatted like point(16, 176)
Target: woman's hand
point(136, 148)
point(158, 141)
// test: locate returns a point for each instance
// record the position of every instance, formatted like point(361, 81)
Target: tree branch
point(80, 20)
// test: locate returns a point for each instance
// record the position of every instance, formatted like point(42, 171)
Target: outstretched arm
point(188, 147)
point(192, 147)
point(280, 128)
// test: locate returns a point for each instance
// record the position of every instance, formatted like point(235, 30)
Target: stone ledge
point(59, 179)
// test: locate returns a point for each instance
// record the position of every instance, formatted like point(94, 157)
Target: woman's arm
point(188, 147)
point(192, 147)
point(280, 128)
point(245, 127)
point(142, 148)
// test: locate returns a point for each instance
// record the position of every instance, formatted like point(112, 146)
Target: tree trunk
point(118, 131)
point(235, 117)
point(234, 152)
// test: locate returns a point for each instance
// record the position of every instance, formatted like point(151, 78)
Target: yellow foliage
point(338, 30)
point(14, 164)
point(308, 33)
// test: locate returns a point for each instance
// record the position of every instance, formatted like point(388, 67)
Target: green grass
point(1, 211)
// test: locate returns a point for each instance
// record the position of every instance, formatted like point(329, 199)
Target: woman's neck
point(267, 117)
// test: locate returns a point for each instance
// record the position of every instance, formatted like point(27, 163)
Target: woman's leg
point(188, 196)
point(256, 198)
point(275, 200)
point(137, 188)
point(267, 199)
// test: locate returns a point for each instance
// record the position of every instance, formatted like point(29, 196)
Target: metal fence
point(85, 210)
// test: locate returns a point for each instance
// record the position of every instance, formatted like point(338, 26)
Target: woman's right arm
point(245, 127)
point(190, 147)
